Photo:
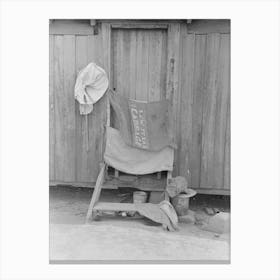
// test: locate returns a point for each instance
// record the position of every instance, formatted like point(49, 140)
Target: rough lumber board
point(142, 183)
point(90, 185)
point(117, 45)
point(98, 116)
point(227, 152)
point(139, 25)
point(70, 27)
point(97, 191)
point(81, 128)
point(114, 206)
point(107, 65)
point(209, 110)
point(172, 81)
point(68, 108)
point(154, 65)
point(209, 26)
point(197, 104)
point(187, 77)
point(211, 190)
point(163, 65)
point(222, 100)
point(51, 110)
point(140, 21)
point(142, 60)
point(59, 100)
point(132, 64)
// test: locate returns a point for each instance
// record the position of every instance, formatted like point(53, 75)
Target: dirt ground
point(125, 238)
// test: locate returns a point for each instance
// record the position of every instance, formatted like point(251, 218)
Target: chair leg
point(169, 176)
point(96, 192)
point(166, 196)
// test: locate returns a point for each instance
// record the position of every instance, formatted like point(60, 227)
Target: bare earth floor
point(123, 239)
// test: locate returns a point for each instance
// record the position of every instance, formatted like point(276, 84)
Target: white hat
point(91, 84)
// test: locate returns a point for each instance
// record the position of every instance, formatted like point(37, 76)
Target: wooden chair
point(96, 206)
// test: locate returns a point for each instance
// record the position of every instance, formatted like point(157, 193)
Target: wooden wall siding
point(139, 63)
point(190, 66)
point(71, 158)
point(205, 97)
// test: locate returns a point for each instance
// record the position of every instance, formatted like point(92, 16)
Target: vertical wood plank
point(119, 62)
point(69, 107)
point(222, 100)
point(94, 155)
point(91, 48)
point(209, 110)
point(227, 152)
point(58, 106)
point(145, 65)
point(155, 48)
point(186, 106)
point(107, 61)
point(172, 83)
point(81, 128)
point(163, 65)
point(51, 110)
point(125, 63)
point(198, 93)
point(106, 47)
point(139, 72)
point(133, 65)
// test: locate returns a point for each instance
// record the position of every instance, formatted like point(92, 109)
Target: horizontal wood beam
point(70, 27)
point(139, 26)
point(151, 186)
point(114, 206)
point(209, 26)
point(77, 184)
point(212, 191)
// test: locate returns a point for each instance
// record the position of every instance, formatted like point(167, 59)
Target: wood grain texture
point(206, 73)
point(51, 110)
point(154, 65)
point(106, 36)
point(70, 27)
point(132, 64)
point(97, 191)
point(197, 106)
point(209, 110)
point(172, 81)
point(59, 100)
point(139, 26)
point(69, 105)
point(89, 134)
point(82, 171)
point(209, 26)
point(146, 64)
point(94, 128)
point(187, 91)
point(227, 154)
point(139, 63)
point(222, 101)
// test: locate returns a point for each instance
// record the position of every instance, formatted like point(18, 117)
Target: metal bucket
point(181, 202)
point(139, 197)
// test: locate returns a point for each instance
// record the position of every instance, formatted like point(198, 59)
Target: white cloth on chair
point(132, 160)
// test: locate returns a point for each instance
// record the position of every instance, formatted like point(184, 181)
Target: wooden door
point(144, 62)
point(139, 59)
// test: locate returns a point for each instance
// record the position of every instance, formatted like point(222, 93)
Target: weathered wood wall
point(205, 111)
point(141, 65)
point(70, 158)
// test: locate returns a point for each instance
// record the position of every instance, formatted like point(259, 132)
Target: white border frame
point(255, 138)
